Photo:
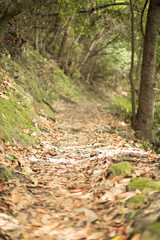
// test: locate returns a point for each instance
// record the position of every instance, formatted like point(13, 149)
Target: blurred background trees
point(89, 39)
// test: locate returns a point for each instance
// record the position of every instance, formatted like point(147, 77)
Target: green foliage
point(11, 157)
point(157, 116)
point(133, 214)
point(123, 107)
point(158, 52)
point(78, 24)
point(156, 125)
point(146, 145)
point(118, 55)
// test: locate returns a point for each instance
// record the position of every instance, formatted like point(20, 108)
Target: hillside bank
point(29, 85)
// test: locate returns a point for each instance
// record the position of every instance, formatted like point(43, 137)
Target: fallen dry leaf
point(4, 96)
point(8, 223)
point(108, 196)
point(91, 216)
point(15, 196)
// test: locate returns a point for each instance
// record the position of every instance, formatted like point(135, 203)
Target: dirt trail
point(65, 190)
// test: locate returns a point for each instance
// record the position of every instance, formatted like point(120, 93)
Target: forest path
point(65, 189)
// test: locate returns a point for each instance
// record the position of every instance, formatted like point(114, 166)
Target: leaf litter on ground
point(63, 187)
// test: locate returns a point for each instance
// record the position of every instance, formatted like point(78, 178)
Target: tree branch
point(13, 9)
point(99, 50)
point(105, 6)
point(142, 14)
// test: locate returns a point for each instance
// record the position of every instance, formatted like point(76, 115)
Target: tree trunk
point(132, 68)
point(148, 80)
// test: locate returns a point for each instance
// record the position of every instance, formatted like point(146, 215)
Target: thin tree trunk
point(148, 80)
point(132, 69)
point(138, 64)
point(63, 44)
point(55, 29)
point(92, 46)
point(36, 36)
point(3, 24)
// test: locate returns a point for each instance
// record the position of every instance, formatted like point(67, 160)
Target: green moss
point(47, 110)
point(137, 201)
point(144, 184)
point(66, 86)
point(14, 116)
point(123, 169)
point(42, 79)
point(152, 232)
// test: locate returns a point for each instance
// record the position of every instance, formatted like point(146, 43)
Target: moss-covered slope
point(36, 82)
point(17, 117)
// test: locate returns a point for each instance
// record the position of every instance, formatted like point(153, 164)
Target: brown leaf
point(95, 236)
point(8, 223)
point(91, 216)
point(108, 196)
point(3, 140)
point(3, 188)
point(4, 96)
point(16, 197)
point(47, 228)
point(46, 219)
point(67, 203)
point(76, 190)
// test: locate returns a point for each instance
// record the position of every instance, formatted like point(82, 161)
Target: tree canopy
point(90, 40)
